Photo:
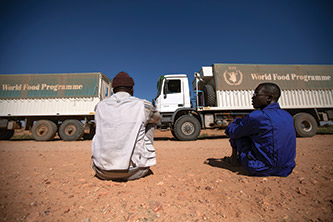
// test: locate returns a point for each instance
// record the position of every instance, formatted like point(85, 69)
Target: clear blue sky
point(151, 38)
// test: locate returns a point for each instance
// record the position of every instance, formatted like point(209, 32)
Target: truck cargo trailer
point(49, 103)
point(224, 92)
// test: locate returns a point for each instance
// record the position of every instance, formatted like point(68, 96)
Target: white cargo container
point(50, 103)
point(224, 91)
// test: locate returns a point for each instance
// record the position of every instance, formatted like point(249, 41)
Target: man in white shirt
point(122, 148)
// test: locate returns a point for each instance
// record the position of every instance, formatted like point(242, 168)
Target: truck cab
point(173, 93)
point(173, 101)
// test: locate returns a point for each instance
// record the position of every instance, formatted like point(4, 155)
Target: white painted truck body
point(53, 98)
point(224, 91)
point(48, 107)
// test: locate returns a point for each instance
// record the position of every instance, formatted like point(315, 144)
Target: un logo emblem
point(233, 77)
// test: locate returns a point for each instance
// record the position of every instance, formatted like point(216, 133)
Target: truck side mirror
point(165, 89)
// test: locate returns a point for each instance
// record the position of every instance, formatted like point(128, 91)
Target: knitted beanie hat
point(122, 79)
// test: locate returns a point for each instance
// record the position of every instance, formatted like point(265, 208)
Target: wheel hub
point(70, 130)
point(187, 128)
point(42, 130)
point(306, 126)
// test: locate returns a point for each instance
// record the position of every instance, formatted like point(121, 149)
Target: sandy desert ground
point(53, 181)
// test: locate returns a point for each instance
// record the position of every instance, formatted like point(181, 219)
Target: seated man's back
point(122, 145)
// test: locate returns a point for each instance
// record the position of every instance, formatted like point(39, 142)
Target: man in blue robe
point(264, 142)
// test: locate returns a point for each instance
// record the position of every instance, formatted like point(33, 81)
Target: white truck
point(224, 92)
point(49, 103)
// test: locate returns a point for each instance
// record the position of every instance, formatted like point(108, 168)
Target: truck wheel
point(71, 130)
point(6, 134)
point(187, 128)
point(305, 125)
point(209, 95)
point(44, 130)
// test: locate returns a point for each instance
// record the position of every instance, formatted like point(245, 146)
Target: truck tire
point(6, 134)
point(305, 125)
point(44, 130)
point(71, 130)
point(209, 95)
point(187, 128)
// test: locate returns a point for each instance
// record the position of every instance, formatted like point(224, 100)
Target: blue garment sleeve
point(242, 127)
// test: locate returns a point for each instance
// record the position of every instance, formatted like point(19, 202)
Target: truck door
point(173, 97)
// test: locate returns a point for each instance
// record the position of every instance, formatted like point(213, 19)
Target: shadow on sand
point(224, 163)
point(170, 138)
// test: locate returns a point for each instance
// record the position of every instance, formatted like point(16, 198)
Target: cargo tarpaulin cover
point(247, 77)
point(24, 86)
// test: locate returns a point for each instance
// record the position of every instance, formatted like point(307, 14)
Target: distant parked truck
point(51, 103)
point(224, 92)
